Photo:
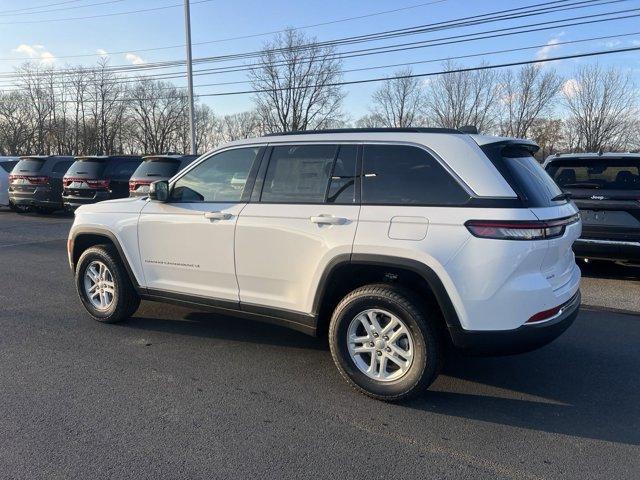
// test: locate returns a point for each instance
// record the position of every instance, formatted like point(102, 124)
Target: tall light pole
point(192, 122)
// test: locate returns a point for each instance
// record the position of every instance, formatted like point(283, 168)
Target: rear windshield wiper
point(562, 196)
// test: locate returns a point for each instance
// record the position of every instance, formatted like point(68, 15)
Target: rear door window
point(525, 175)
point(62, 167)
point(30, 165)
point(8, 166)
point(299, 174)
point(596, 173)
point(406, 175)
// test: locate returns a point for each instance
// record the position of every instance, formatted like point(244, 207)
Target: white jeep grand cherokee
point(395, 242)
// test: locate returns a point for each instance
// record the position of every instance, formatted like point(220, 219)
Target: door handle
point(328, 220)
point(217, 215)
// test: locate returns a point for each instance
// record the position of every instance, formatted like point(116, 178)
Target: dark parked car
point(35, 183)
point(606, 189)
point(156, 167)
point(92, 179)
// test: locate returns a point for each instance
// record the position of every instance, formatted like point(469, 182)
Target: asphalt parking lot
point(175, 393)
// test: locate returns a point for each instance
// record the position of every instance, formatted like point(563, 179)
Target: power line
point(41, 6)
point(490, 34)
point(333, 22)
point(103, 14)
point(60, 9)
point(448, 41)
point(424, 29)
point(382, 79)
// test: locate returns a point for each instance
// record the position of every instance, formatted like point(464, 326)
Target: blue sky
point(214, 20)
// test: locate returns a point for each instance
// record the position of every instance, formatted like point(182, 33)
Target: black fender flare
point(427, 273)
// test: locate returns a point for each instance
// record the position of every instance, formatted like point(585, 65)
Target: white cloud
point(612, 43)
point(36, 51)
point(102, 52)
point(635, 43)
point(135, 59)
point(544, 52)
point(570, 87)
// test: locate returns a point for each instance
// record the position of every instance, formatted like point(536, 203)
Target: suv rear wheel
point(384, 342)
point(104, 286)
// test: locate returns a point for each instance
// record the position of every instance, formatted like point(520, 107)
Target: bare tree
point(602, 109)
point(16, 130)
point(548, 134)
point(241, 125)
point(295, 81)
point(526, 96)
point(398, 102)
point(38, 97)
point(159, 110)
point(456, 99)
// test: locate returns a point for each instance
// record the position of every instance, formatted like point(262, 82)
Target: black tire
point(125, 300)
point(19, 208)
point(427, 342)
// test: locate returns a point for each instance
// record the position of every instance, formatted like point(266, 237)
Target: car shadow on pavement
point(585, 384)
point(609, 270)
point(211, 325)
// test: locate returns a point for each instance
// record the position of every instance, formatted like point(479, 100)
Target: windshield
point(90, 168)
point(525, 175)
point(597, 173)
point(30, 165)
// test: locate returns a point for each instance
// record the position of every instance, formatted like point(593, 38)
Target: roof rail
point(368, 130)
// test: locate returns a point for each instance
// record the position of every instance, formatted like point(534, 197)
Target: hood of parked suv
point(120, 205)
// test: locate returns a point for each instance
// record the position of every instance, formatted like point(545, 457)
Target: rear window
point(86, 168)
point(596, 173)
point(157, 168)
point(525, 175)
point(8, 166)
point(27, 165)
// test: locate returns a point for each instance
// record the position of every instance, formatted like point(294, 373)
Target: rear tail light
point(134, 184)
point(33, 179)
point(520, 230)
point(545, 315)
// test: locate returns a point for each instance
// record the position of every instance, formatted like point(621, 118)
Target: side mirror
point(159, 191)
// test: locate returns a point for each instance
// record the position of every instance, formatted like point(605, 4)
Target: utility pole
point(192, 121)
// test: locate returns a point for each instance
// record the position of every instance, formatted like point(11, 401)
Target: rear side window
point(406, 175)
point(298, 173)
point(158, 168)
point(596, 173)
point(8, 166)
point(62, 167)
point(30, 165)
point(123, 169)
point(86, 168)
point(525, 175)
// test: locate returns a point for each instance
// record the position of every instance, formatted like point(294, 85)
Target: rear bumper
point(523, 339)
point(607, 249)
point(38, 198)
point(73, 202)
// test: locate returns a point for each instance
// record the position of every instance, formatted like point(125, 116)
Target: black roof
point(370, 130)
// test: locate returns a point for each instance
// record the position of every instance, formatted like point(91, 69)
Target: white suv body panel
point(277, 256)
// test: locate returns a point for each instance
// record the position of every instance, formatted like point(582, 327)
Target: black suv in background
point(606, 189)
point(92, 179)
point(35, 183)
point(156, 167)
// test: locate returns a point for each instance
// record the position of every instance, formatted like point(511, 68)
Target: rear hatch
point(539, 192)
point(150, 170)
point(85, 178)
point(27, 175)
point(606, 189)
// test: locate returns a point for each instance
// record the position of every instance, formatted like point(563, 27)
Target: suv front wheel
point(384, 342)
point(104, 286)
